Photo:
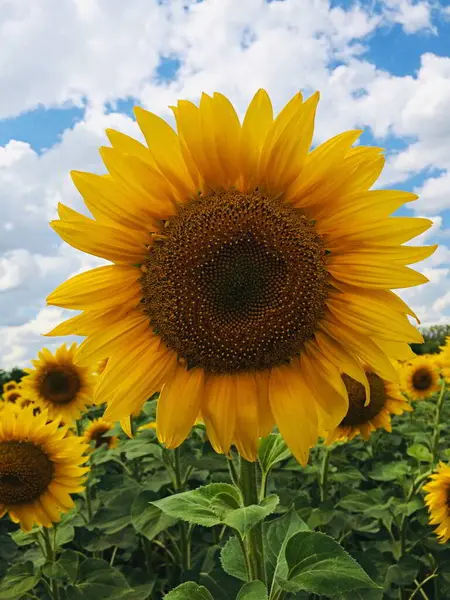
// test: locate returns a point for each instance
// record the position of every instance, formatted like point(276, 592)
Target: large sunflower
point(420, 378)
point(363, 418)
point(39, 468)
point(95, 433)
point(58, 384)
point(247, 271)
point(437, 500)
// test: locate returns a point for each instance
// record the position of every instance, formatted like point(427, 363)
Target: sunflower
point(95, 432)
point(362, 418)
point(420, 378)
point(151, 425)
point(247, 272)
point(10, 385)
point(437, 500)
point(56, 383)
point(39, 468)
point(12, 395)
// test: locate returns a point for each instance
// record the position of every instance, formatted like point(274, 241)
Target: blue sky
point(382, 65)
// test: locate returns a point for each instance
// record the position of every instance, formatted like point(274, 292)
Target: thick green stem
point(50, 556)
point(323, 478)
point(437, 420)
point(255, 547)
point(184, 536)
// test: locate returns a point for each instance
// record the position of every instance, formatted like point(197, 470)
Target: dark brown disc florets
point(25, 472)
point(60, 385)
point(422, 379)
point(357, 413)
point(236, 282)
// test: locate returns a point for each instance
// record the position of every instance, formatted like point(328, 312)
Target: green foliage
point(164, 524)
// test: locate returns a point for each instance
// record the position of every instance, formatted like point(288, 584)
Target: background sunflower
point(363, 418)
point(95, 432)
point(437, 499)
point(420, 378)
point(59, 385)
point(39, 468)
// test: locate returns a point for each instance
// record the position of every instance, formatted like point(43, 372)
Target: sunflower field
point(152, 522)
point(245, 418)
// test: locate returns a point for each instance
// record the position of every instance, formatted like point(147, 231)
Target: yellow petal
point(179, 405)
point(377, 276)
point(257, 122)
point(108, 202)
point(219, 410)
point(111, 243)
point(165, 149)
point(247, 426)
point(294, 409)
point(284, 154)
point(98, 288)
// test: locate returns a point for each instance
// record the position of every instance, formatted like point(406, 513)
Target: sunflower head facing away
point(437, 499)
point(59, 385)
point(420, 378)
point(39, 468)
point(94, 434)
point(246, 272)
point(362, 418)
point(14, 395)
point(10, 385)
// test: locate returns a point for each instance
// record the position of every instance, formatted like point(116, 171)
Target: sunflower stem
point(254, 545)
point(184, 537)
point(50, 556)
point(437, 420)
point(323, 477)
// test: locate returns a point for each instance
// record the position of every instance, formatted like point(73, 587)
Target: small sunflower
point(10, 385)
point(39, 468)
point(247, 272)
point(385, 399)
point(59, 385)
point(95, 432)
point(12, 395)
point(420, 378)
point(437, 500)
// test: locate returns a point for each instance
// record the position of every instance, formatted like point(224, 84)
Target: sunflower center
point(422, 379)
point(357, 413)
point(60, 385)
point(25, 472)
point(13, 396)
point(236, 282)
point(100, 438)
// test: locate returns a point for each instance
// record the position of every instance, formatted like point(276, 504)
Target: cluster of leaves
point(434, 338)
point(160, 523)
point(13, 375)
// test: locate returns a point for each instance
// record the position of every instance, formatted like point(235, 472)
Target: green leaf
point(318, 564)
point(70, 561)
point(116, 514)
point(420, 453)
point(277, 533)
point(255, 590)
point(357, 502)
point(390, 471)
point(245, 518)
point(233, 560)
point(97, 579)
point(189, 591)
point(148, 519)
point(18, 580)
point(65, 532)
point(197, 505)
point(272, 449)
